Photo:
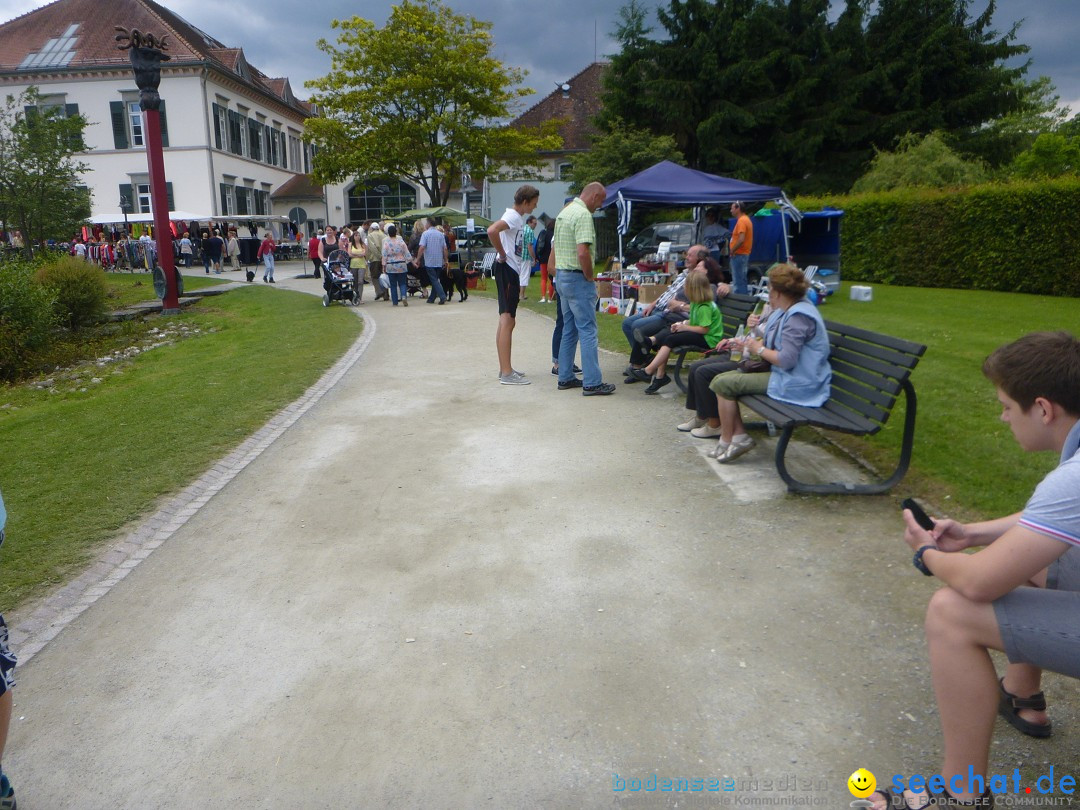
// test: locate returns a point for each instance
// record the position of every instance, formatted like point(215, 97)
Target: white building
point(232, 135)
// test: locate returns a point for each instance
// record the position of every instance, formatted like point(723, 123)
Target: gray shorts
point(1041, 626)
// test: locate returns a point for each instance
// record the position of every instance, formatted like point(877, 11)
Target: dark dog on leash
point(455, 276)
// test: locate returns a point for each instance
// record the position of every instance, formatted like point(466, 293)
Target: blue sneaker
point(7, 793)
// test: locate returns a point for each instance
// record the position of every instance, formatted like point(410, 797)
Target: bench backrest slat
point(863, 401)
point(873, 350)
point(734, 308)
point(883, 368)
point(890, 386)
point(869, 369)
point(901, 346)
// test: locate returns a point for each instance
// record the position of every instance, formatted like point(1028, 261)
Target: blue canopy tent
point(670, 184)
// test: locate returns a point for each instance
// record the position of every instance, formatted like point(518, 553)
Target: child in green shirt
point(703, 330)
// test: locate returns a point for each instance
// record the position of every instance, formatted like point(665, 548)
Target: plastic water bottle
point(737, 349)
point(758, 330)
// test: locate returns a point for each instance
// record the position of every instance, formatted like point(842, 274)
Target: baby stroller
point(338, 281)
point(412, 281)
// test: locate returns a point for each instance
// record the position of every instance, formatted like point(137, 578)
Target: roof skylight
point(57, 52)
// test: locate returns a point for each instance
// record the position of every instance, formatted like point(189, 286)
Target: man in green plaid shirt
point(573, 249)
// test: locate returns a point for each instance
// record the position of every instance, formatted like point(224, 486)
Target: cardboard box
point(647, 293)
point(603, 289)
point(862, 293)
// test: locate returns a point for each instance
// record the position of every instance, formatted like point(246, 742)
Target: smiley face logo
point(861, 783)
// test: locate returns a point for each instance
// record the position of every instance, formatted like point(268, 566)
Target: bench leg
point(678, 370)
point(841, 488)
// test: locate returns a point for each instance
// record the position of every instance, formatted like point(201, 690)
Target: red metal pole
point(159, 202)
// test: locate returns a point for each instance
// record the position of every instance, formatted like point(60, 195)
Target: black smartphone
point(917, 511)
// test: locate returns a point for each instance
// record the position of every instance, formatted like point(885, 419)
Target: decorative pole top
point(146, 58)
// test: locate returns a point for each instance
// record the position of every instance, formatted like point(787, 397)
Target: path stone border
point(59, 609)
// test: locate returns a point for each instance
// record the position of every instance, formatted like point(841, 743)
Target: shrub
point(1019, 237)
point(27, 317)
point(80, 290)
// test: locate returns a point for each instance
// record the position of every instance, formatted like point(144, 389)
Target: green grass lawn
point(965, 460)
point(81, 459)
point(126, 289)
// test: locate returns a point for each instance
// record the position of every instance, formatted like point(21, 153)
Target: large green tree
point(621, 152)
point(40, 191)
point(421, 98)
point(775, 91)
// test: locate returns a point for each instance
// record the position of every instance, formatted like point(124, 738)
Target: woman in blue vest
point(796, 348)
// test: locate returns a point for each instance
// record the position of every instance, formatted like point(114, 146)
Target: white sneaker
point(514, 378)
point(693, 422)
point(706, 432)
point(734, 450)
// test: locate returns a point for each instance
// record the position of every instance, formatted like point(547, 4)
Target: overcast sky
point(552, 40)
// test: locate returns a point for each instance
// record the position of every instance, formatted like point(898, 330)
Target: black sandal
point(1009, 706)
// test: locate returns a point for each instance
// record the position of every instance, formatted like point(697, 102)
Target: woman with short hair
point(795, 346)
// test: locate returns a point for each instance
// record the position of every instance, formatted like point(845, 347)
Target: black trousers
point(698, 396)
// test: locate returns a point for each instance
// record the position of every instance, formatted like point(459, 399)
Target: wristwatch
point(917, 560)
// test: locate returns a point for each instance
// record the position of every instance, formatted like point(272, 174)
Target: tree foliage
point(1051, 155)
point(421, 98)
point(775, 91)
point(39, 182)
point(621, 152)
point(921, 162)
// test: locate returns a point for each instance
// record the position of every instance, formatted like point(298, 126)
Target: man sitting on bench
point(671, 307)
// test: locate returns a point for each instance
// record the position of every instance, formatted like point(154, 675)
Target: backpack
point(543, 246)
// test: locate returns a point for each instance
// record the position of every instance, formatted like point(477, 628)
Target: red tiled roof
point(300, 186)
point(578, 106)
point(96, 47)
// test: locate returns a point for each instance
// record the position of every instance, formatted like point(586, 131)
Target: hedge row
point(1023, 237)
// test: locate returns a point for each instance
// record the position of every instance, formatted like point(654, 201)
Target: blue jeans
point(577, 301)
point(740, 266)
point(647, 324)
point(436, 285)
point(268, 265)
point(556, 333)
point(399, 286)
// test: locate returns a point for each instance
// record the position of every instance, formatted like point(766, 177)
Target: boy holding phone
point(1021, 593)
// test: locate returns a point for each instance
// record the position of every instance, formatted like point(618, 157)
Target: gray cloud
point(552, 41)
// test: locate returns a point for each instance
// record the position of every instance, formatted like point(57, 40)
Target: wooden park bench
point(870, 370)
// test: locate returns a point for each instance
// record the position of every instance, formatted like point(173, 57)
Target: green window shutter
point(224, 201)
point(217, 126)
point(169, 197)
point(164, 124)
point(75, 141)
point(235, 122)
point(126, 191)
point(119, 125)
point(284, 151)
point(255, 139)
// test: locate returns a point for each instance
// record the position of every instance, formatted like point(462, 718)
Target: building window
point(135, 123)
point(564, 170)
point(228, 199)
point(221, 126)
point(142, 198)
point(129, 125)
point(295, 151)
point(379, 199)
point(136, 195)
point(243, 201)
